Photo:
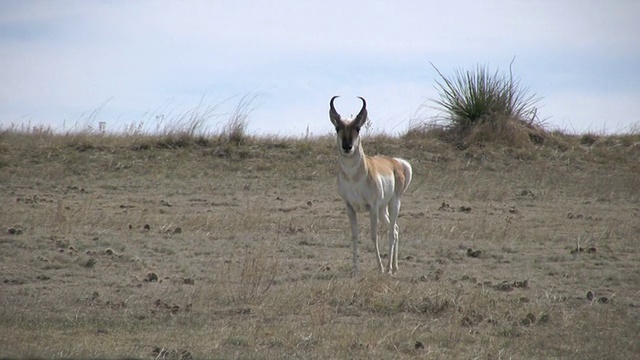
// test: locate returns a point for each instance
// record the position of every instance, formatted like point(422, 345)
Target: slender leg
point(373, 214)
point(394, 209)
point(383, 220)
point(396, 248)
point(353, 219)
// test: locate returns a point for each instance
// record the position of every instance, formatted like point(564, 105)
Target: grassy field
point(180, 248)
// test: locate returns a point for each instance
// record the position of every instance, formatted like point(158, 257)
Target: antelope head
point(348, 132)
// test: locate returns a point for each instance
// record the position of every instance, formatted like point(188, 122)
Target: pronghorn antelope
point(369, 183)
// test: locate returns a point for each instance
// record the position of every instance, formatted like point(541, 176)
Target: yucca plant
point(474, 98)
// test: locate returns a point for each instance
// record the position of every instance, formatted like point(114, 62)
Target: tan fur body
point(372, 184)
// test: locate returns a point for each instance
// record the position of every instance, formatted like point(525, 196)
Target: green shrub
point(480, 106)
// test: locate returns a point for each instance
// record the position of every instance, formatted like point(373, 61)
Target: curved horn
point(362, 115)
point(333, 114)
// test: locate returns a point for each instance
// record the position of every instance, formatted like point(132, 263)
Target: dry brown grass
point(202, 247)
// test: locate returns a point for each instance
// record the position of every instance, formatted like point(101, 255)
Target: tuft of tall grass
point(235, 130)
point(490, 104)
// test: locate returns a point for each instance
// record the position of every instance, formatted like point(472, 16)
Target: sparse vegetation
point(235, 130)
point(213, 246)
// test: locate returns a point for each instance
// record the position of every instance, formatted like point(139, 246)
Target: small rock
point(90, 263)
point(14, 231)
point(576, 251)
point(528, 320)
point(473, 254)
point(590, 295)
point(438, 274)
point(503, 286)
point(445, 207)
point(527, 193)
point(521, 284)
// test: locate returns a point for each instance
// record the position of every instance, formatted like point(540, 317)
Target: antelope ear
point(335, 118)
point(361, 118)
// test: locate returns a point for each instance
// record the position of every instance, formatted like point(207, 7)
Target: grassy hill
point(184, 246)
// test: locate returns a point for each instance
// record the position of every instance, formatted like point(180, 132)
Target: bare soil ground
point(124, 247)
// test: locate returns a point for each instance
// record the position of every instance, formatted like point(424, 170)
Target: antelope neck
point(353, 165)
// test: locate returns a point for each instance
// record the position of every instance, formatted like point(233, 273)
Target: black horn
point(333, 114)
point(361, 118)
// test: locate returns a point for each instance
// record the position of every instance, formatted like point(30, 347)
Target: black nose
point(346, 147)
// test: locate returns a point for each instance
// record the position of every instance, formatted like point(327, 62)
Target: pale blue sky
point(61, 60)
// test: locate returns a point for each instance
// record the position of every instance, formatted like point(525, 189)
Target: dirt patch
point(181, 253)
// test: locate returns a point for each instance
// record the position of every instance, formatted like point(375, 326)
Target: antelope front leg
point(373, 214)
point(353, 219)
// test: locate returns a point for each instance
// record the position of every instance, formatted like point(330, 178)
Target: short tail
point(408, 173)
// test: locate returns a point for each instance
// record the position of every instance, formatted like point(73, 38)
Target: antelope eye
point(337, 129)
point(357, 129)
